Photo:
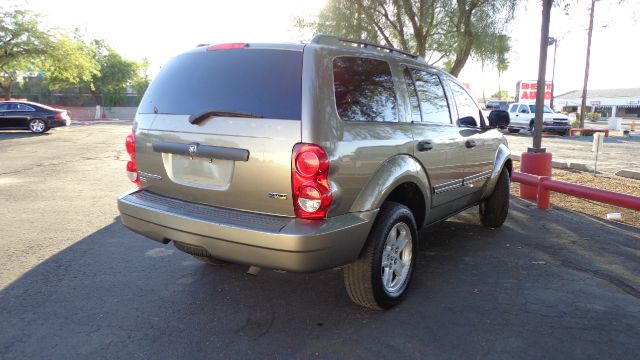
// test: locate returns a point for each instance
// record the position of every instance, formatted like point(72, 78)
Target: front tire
point(513, 131)
point(37, 126)
point(495, 208)
point(381, 276)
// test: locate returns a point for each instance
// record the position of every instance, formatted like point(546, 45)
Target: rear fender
point(392, 173)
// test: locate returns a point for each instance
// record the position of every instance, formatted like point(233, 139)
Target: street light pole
point(553, 41)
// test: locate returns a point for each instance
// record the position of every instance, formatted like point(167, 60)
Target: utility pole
point(542, 71)
point(553, 41)
point(583, 106)
point(537, 160)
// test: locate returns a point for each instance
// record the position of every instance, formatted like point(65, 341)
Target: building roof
point(602, 93)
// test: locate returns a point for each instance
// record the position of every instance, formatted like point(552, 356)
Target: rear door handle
point(470, 144)
point(425, 145)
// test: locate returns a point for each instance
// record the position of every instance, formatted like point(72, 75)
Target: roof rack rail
point(334, 40)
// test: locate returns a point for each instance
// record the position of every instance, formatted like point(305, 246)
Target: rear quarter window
point(364, 89)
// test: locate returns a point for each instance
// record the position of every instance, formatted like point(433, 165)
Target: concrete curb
point(631, 174)
point(564, 164)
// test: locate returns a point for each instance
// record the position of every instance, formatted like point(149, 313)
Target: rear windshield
point(262, 82)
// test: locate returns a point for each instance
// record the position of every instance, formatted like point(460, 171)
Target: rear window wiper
point(196, 118)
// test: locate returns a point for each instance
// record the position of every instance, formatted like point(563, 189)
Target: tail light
point(57, 116)
point(309, 180)
point(132, 165)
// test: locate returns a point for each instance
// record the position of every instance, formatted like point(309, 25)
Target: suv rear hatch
point(217, 127)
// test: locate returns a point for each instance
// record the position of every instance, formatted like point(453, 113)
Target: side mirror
point(499, 119)
point(467, 121)
point(524, 111)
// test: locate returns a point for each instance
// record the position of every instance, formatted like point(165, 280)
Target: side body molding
point(502, 159)
point(393, 172)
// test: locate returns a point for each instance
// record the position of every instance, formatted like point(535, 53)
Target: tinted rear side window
point(433, 103)
point(256, 81)
point(364, 89)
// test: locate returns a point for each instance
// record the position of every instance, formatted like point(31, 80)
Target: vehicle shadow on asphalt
point(18, 134)
point(535, 283)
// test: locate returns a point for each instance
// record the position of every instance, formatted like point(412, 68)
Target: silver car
point(309, 157)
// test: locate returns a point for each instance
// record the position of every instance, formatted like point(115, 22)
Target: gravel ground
point(600, 181)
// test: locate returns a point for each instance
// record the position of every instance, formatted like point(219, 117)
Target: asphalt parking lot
point(74, 284)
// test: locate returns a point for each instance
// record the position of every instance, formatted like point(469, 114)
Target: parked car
point(308, 157)
point(497, 105)
point(522, 117)
point(18, 115)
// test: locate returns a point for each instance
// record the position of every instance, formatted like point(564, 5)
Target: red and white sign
point(527, 91)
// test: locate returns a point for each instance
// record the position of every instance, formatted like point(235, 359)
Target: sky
point(615, 48)
point(158, 30)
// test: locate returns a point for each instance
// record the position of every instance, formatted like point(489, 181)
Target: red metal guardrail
point(545, 185)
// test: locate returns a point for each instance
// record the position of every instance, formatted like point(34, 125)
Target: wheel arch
point(502, 161)
point(400, 179)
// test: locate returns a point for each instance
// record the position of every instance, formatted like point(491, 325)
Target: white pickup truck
point(522, 115)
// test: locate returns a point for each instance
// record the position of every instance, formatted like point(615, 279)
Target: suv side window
point(524, 109)
point(364, 89)
point(467, 108)
point(4, 107)
point(433, 103)
point(514, 108)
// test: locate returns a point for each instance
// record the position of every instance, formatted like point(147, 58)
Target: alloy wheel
point(396, 258)
point(37, 126)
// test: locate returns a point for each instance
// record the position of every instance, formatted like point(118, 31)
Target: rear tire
point(495, 208)
point(37, 126)
point(381, 276)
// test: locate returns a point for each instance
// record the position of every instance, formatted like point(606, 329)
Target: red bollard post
point(544, 195)
point(534, 164)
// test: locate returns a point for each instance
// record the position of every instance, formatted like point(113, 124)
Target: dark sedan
point(18, 115)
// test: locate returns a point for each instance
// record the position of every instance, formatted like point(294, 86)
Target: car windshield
point(546, 109)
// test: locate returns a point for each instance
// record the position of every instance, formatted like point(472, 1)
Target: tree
point(492, 50)
point(502, 48)
point(69, 63)
point(441, 31)
point(115, 72)
point(23, 44)
point(141, 81)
